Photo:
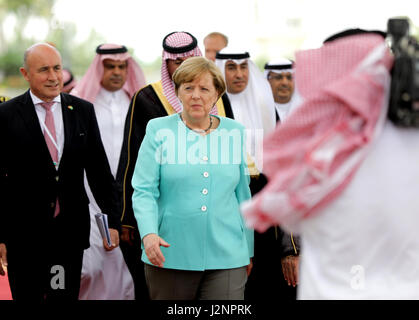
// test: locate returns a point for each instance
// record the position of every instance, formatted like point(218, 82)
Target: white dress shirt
point(58, 119)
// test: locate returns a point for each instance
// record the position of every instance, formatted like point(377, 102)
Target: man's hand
point(290, 269)
point(114, 240)
point(3, 258)
point(127, 235)
point(152, 243)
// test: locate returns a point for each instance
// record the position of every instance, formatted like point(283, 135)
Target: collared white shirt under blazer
point(58, 119)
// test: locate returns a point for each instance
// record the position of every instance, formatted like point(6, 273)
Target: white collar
point(111, 95)
point(37, 100)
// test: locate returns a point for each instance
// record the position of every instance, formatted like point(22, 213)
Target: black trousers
point(132, 256)
point(37, 274)
point(45, 266)
point(266, 281)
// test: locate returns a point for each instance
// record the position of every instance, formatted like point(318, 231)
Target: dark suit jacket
point(30, 184)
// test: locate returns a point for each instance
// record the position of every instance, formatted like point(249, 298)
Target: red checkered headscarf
point(311, 157)
point(176, 45)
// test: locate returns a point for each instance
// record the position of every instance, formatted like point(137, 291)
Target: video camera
point(404, 95)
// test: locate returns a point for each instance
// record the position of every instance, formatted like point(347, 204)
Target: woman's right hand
point(152, 243)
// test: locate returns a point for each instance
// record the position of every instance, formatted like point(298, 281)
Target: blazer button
point(52, 204)
point(206, 174)
point(204, 208)
point(57, 178)
point(204, 191)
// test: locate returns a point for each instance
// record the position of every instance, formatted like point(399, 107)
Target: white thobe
point(365, 244)
point(282, 109)
point(105, 275)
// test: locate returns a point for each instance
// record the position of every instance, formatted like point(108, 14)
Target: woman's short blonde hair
point(194, 67)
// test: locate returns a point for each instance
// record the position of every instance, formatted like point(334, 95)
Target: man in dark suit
point(44, 215)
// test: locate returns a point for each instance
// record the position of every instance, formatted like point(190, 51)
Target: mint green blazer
point(188, 188)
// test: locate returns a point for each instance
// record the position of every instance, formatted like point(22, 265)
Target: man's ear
point(24, 73)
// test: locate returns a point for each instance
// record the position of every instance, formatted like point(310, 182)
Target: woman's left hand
point(249, 267)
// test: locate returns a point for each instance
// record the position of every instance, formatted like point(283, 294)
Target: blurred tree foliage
point(76, 56)
point(416, 32)
point(23, 10)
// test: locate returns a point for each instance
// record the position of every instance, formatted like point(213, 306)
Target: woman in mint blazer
point(190, 178)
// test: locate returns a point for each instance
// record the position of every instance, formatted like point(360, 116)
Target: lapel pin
point(70, 107)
